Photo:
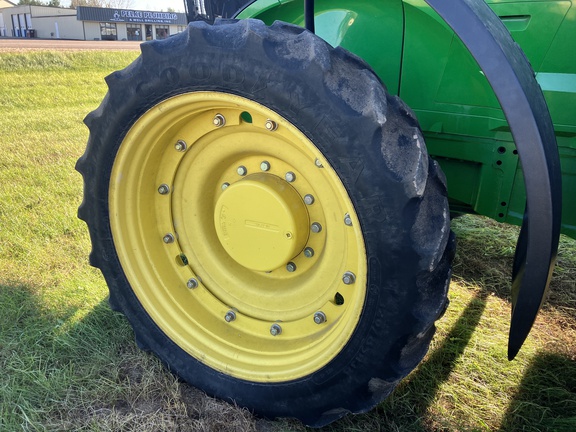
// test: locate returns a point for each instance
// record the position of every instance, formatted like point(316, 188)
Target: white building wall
point(92, 30)
point(68, 27)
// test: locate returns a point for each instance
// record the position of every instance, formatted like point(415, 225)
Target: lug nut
point(192, 283)
point(319, 317)
point(230, 316)
point(309, 199)
point(265, 166)
point(164, 189)
point(241, 170)
point(318, 163)
point(349, 278)
point(219, 120)
point(347, 220)
point(291, 267)
point(225, 186)
point(181, 145)
point(290, 176)
point(316, 227)
point(275, 330)
point(308, 252)
point(168, 238)
point(271, 125)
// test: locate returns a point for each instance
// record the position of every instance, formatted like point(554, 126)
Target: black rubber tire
point(374, 143)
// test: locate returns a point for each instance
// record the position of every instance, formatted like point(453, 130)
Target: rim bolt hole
point(241, 170)
point(192, 283)
point(290, 176)
point(265, 166)
point(318, 163)
point(339, 299)
point(168, 238)
point(225, 186)
point(291, 267)
point(230, 316)
point(271, 125)
point(347, 220)
point(308, 252)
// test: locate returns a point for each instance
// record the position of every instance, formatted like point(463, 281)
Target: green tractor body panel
point(419, 57)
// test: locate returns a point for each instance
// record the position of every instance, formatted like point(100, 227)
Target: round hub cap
point(261, 222)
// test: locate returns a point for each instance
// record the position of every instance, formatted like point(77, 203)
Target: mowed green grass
point(67, 362)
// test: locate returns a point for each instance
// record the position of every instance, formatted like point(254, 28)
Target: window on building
point(134, 32)
point(181, 28)
point(108, 31)
point(162, 31)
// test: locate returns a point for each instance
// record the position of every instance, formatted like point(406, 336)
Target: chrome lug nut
point(230, 316)
point(347, 220)
point(349, 278)
point(291, 267)
point(319, 317)
point(271, 125)
point(318, 163)
point(219, 120)
point(309, 199)
point(225, 186)
point(192, 283)
point(308, 252)
point(164, 189)
point(168, 238)
point(265, 166)
point(241, 170)
point(290, 176)
point(181, 145)
point(316, 227)
point(275, 330)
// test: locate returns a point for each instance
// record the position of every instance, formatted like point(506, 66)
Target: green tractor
point(274, 221)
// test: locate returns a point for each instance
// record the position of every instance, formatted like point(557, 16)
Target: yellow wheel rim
point(237, 237)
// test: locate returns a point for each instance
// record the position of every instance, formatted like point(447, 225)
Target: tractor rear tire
point(267, 218)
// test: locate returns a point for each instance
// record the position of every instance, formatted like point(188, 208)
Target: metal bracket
point(512, 79)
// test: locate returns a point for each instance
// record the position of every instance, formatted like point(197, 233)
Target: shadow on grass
point(546, 397)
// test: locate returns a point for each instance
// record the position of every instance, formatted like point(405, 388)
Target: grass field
point(68, 362)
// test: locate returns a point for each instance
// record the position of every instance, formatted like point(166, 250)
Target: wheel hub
point(262, 222)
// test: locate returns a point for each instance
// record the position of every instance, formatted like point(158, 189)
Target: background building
point(88, 23)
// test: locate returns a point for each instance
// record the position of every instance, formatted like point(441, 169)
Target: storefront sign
point(129, 16)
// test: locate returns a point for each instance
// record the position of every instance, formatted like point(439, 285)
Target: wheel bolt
point(349, 278)
point(291, 267)
point(308, 252)
point(290, 176)
point(347, 219)
point(219, 120)
point(168, 238)
point(241, 170)
point(265, 166)
point(192, 283)
point(230, 316)
point(164, 189)
point(319, 317)
point(271, 125)
point(309, 199)
point(318, 163)
point(225, 186)
point(316, 227)
point(180, 145)
point(275, 330)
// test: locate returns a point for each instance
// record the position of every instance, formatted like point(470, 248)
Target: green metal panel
point(351, 25)
point(419, 57)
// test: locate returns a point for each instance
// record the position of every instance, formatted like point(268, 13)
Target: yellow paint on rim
point(240, 230)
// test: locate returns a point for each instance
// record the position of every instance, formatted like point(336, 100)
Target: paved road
point(66, 45)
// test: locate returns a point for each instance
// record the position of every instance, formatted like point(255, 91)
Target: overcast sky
point(156, 5)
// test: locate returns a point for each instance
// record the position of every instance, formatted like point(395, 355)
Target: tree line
point(116, 4)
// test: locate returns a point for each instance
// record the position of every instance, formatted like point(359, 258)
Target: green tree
point(30, 3)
